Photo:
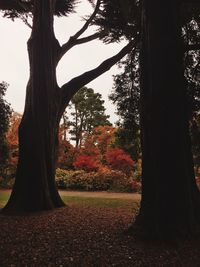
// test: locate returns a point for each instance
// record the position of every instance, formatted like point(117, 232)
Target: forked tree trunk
point(170, 202)
point(35, 187)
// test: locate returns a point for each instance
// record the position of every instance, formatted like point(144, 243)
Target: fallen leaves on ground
point(79, 235)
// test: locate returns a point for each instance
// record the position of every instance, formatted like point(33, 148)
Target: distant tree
point(66, 151)
point(129, 141)
point(66, 155)
point(64, 127)
point(126, 96)
point(5, 113)
point(35, 187)
point(165, 127)
point(99, 141)
point(12, 138)
point(88, 113)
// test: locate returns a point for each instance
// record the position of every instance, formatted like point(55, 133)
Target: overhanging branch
point(71, 87)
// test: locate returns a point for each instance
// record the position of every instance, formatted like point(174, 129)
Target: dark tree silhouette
point(170, 203)
point(34, 187)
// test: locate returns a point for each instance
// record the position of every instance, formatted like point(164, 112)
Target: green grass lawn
point(89, 201)
point(4, 195)
point(100, 202)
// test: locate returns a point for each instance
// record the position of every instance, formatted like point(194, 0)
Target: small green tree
point(88, 112)
point(5, 113)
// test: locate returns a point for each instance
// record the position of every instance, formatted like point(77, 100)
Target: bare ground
point(84, 236)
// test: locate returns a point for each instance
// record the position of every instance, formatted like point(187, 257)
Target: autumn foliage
point(96, 153)
point(12, 138)
point(87, 163)
point(96, 165)
point(117, 159)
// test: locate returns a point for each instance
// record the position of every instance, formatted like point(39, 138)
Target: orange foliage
point(117, 159)
point(12, 138)
point(12, 135)
point(98, 141)
point(66, 155)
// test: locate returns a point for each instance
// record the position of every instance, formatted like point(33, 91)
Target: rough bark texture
point(170, 198)
point(35, 188)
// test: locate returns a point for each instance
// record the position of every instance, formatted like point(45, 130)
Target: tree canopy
point(88, 112)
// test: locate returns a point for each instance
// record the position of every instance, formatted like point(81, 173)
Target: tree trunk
point(170, 198)
point(35, 187)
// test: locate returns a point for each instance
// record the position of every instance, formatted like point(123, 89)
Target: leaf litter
point(83, 236)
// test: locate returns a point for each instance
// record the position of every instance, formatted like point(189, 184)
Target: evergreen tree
point(88, 112)
point(126, 95)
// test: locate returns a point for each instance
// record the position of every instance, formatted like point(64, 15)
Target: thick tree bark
point(170, 202)
point(35, 187)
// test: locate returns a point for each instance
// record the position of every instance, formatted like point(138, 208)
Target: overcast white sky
point(14, 66)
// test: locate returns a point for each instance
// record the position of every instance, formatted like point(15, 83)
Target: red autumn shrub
point(66, 155)
point(117, 159)
point(87, 163)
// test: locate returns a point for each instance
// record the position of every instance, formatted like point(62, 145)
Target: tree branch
point(71, 87)
point(73, 40)
point(87, 23)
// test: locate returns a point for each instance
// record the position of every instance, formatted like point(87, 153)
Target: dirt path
point(104, 194)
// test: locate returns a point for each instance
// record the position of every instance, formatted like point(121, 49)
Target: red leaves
point(117, 159)
point(87, 163)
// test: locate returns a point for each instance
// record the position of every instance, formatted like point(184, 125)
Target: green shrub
point(7, 177)
point(109, 180)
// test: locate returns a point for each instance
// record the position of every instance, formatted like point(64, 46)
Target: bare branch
point(71, 87)
point(73, 40)
point(25, 20)
point(87, 23)
point(89, 38)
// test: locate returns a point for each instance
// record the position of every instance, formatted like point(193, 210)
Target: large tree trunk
point(170, 202)
point(35, 187)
